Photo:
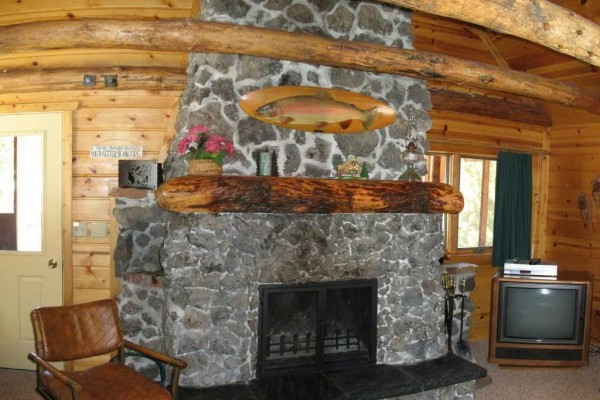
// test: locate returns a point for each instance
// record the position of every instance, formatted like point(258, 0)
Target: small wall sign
point(108, 151)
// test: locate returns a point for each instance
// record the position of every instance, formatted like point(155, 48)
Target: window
point(476, 221)
point(472, 230)
point(21, 191)
point(7, 174)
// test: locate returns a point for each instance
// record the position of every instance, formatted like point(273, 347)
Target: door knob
point(52, 263)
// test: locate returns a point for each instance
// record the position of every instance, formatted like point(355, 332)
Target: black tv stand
point(540, 354)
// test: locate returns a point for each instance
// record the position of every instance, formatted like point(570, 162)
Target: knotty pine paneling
point(478, 132)
point(93, 186)
point(572, 239)
point(88, 58)
point(107, 119)
point(150, 138)
point(444, 35)
point(18, 12)
point(85, 295)
point(91, 278)
point(91, 209)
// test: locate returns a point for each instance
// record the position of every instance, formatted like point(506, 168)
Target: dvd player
point(534, 267)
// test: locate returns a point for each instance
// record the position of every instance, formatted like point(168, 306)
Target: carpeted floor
point(17, 385)
point(581, 383)
point(501, 384)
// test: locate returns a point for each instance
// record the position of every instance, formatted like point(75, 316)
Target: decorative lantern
point(410, 157)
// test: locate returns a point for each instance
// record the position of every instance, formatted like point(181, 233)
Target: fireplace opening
point(316, 326)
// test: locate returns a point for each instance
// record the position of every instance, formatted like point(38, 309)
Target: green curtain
point(512, 214)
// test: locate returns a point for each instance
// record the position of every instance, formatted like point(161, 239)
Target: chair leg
point(174, 382)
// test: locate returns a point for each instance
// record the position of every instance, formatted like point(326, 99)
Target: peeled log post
point(305, 195)
point(538, 21)
point(214, 37)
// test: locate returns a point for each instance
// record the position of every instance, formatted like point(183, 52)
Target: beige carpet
point(582, 383)
point(17, 385)
point(502, 383)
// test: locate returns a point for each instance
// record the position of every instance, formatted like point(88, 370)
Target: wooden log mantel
point(261, 194)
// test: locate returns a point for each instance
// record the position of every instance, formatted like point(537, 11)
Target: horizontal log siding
point(575, 163)
point(18, 12)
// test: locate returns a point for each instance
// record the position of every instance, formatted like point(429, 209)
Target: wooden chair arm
point(75, 387)
point(175, 362)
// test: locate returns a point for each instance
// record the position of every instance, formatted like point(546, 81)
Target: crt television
point(540, 321)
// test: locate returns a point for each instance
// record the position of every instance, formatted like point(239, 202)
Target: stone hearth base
point(371, 382)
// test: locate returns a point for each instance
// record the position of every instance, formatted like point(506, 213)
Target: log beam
point(213, 37)
point(538, 21)
point(305, 195)
point(129, 78)
point(489, 107)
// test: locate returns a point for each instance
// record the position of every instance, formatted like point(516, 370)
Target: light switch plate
point(79, 229)
point(99, 229)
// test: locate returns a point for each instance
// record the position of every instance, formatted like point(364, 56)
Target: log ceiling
point(461, 60)
point(540, 21)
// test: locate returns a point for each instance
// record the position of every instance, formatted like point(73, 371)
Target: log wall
point(573, 227)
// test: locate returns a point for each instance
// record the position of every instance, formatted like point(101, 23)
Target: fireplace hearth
point(316, 326)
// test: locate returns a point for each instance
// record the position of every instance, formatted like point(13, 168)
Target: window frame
point(451, 220)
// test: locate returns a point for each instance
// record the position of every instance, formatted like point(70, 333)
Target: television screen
point(541, 313)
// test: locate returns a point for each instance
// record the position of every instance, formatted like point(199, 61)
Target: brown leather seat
point(85, 330)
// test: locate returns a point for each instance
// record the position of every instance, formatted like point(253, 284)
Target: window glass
point(21, 191)
point(7, 174)
point(478, 186)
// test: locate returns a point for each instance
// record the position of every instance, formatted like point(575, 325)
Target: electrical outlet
point(79, 229)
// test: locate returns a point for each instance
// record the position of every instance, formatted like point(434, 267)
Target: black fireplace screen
point(317, 326)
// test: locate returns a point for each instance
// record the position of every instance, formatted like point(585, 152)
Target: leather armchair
point(68, 333)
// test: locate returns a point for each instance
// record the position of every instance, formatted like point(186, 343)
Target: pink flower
point(185, 144)
point(199, 144)
point(197, 128)
point(214, 144)
point(229, 148)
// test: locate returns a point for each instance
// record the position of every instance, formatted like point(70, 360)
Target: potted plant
point(205, 151)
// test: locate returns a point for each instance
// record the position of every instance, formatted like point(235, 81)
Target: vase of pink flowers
point(204, 151)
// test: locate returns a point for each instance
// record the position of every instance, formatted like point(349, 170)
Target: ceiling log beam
point(489, 107)
point(539, 21)
point(212, 37)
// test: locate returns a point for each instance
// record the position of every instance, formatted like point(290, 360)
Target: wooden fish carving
point(319, 109)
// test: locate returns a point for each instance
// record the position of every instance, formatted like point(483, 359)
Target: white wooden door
point(31, 270)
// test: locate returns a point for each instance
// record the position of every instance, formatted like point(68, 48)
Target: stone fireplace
point(215, 264)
